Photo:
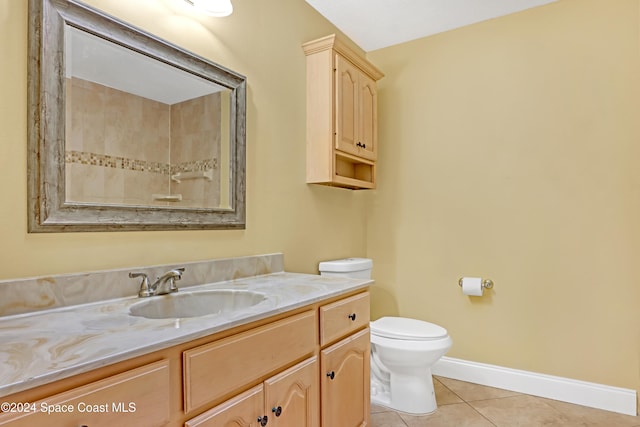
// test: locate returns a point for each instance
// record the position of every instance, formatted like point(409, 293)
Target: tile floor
point(462, 404)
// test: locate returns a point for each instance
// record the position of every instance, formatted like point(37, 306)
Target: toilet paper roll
point(472, 286)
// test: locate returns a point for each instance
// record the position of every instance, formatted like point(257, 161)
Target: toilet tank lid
point(346, 265)
point(408, 329)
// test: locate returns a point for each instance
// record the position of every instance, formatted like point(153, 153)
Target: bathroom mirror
point(127, 131)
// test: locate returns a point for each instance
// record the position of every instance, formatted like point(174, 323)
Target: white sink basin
point(195, 304)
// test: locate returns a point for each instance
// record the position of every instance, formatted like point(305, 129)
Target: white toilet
point(402, 351)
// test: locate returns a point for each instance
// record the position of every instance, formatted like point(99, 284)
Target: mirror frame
point(48, 210)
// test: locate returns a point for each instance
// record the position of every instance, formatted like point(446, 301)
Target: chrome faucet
point(159, 287)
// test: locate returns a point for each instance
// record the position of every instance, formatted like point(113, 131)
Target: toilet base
point(407, 393)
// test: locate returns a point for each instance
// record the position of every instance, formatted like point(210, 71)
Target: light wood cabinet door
point(133, 398)
point(356, 111)
point(289, 399)
point(367, 117)
point(347, 109)
point(244, 410)
point(344, 384)
point(292, 397)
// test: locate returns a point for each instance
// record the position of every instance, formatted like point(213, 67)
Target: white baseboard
point(584, 393)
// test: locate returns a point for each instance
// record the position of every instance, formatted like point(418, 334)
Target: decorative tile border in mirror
point(48, 292)
point(116, 162)
point(105, 160)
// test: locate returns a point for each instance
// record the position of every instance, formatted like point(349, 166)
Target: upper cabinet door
point(368, 117)
point(356, 111)
point(347, 110)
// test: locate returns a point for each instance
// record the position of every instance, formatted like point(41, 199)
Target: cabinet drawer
point(136, 397)
point(343, 317)
point(215, 370)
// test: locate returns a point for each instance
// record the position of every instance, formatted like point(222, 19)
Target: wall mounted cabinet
point(342, 117)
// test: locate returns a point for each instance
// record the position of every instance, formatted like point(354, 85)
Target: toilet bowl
point(403, 351)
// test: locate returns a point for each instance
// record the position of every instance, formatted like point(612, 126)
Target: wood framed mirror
point(128, 131)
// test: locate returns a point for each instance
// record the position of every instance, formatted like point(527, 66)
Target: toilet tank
point(359, 268)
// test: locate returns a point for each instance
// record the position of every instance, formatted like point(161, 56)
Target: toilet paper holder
point(486, 283)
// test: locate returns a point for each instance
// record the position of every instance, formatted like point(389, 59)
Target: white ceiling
point(374, 24)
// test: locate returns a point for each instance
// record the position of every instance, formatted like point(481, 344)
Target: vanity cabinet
point(342, 100)
point(308, 367)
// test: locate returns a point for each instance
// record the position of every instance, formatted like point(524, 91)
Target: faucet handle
point(145, 289)
point(176, 276)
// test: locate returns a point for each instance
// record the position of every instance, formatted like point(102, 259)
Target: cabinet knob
point(331, 374)
point(263, 420)
point(352, 316)
point(277, 410)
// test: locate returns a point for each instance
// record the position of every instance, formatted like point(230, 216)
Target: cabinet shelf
point(353, 172)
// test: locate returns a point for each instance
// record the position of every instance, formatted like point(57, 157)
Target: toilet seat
point(401, 328)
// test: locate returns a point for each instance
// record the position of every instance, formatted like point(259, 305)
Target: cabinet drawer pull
point(277, 411)
point(331, 374)
point(352, 316)
point(263, 420)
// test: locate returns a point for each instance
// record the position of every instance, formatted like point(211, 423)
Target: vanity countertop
point(46, 346)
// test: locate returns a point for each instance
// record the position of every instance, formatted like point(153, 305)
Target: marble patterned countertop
point(45, 346)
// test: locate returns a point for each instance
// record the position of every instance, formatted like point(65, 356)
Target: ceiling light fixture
point(217, 8)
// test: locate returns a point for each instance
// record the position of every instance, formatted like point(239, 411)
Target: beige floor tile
point(590, 417)
point(493, 407)
point(444, 396)
point(521, 411)
point(375, 409)
point(470, 392)
point(453, 415)
point(386, 419)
